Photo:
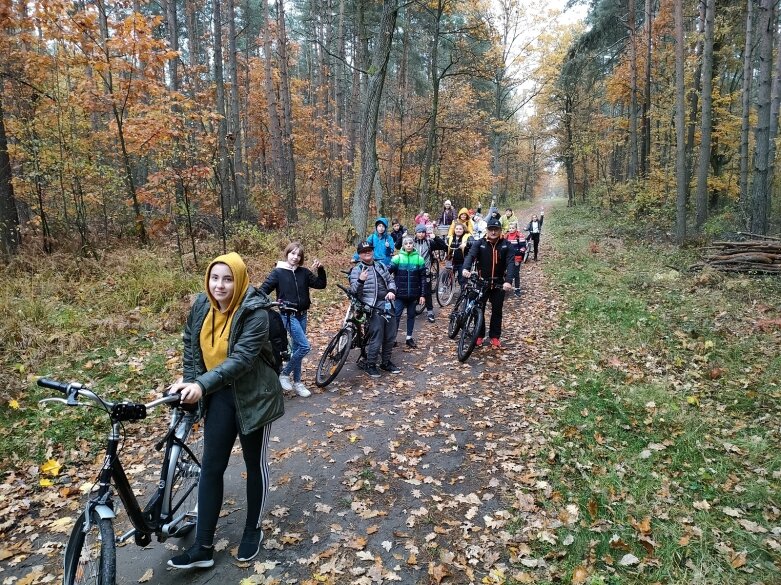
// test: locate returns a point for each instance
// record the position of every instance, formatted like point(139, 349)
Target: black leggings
point(220, 432)
point(536, 239)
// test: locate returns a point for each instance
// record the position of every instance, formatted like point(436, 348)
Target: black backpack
point(277, 336)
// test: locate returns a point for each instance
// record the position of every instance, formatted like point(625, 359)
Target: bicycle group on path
point(228, 363)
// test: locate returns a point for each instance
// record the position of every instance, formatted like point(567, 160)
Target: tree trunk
point(680, 146)
point(238, 173)
point(745, 100)
point(694, 95)
point(760, 194)
point(275, 133)
point(9, 217)
point(370, 114)
point(632, 168)
point(222, 125)
point(288, 158)
point(569, 150)
point(193, 45)
point(707, 118)
point(428, 155)
point(339, 100)
point(645, 159)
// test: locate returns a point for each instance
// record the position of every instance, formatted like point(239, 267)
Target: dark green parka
point(254, 383)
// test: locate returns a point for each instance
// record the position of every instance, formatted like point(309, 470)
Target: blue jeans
point(409, 304)
point(301, 347)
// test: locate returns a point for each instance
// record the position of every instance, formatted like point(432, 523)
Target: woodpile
point(748, 256)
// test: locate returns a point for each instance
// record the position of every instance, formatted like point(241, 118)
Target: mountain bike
point(172, 511)
point(447, 284)
point(351, 335)
point(473, 316)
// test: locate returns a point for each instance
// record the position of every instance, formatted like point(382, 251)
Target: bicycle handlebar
point(122, 410)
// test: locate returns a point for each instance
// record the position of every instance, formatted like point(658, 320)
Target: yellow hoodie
point(215, 331)
point(470, 227)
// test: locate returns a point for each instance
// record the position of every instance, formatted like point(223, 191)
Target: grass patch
point(669, 446)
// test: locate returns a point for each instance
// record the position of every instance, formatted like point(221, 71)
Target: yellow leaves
point(147, 576)
point(51, 467)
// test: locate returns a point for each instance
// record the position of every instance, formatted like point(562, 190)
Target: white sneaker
point(302, 390)
point(286, 383)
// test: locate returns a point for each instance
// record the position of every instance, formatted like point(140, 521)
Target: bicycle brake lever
point(53, 399)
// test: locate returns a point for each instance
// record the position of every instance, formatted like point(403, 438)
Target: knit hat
point(420, 228)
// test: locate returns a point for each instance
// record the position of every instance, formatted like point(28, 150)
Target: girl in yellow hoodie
point(226, 366)
point(463, 217)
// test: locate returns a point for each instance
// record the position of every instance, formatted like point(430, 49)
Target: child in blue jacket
point(382, 241)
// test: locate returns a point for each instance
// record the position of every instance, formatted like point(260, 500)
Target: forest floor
point(626, 433)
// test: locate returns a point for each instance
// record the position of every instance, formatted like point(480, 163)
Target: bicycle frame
point(152, 519)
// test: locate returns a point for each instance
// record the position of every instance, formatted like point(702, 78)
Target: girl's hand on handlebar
point(390, 296)
point(465, 273)
point(190, 392)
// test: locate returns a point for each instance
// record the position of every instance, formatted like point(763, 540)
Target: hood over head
point(382, 220)
point(240, 279)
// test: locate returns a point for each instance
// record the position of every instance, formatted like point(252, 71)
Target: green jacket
point(255, 385)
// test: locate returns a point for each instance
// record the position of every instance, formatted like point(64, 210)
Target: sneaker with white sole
point(195, 557)
point(301, 390)
point(250, 544)
point(286, 383)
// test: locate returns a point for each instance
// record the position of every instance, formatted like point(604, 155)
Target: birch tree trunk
point(760, 193)
point(680, 111)
point(707, 118)
point(745, 101)
point(370, 114)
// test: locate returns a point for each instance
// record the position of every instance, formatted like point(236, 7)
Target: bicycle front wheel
point(456, 317)
point(469, 334)
point(91, 555)
point(446, 288)
point(334, 357)
point(184, 472)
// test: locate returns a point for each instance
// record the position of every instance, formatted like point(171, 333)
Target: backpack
point(277, 336)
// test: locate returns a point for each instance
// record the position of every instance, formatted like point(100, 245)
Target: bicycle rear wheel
point(91, 555)
point(446, 288)
point(334, 357)
point(184, 472)
point(469, 334)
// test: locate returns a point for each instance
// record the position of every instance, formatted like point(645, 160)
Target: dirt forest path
point(434, 475)
point(410, 478)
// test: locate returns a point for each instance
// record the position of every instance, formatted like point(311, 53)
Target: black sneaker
point(372, 370)
point(517, 292)
point(197, 556)
point(430, 317)
point(411, 343)
point(250, 544)
point(390, 367)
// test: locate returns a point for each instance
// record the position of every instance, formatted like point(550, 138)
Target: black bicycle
point(472, 315)
point(456, 319)
point(351, 335)
point(172, 511)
